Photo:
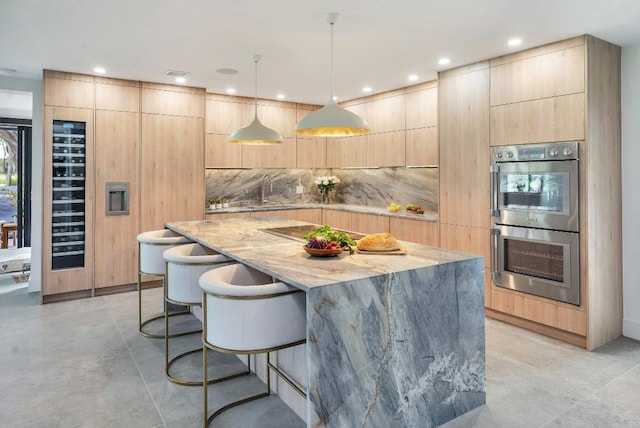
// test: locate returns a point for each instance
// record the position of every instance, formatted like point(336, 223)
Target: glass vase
point(325, 196)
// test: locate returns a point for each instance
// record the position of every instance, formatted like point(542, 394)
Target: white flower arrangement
point(326, 184)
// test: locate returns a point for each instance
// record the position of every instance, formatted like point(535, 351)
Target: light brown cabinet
point(464, 147)
point(418, 231)
point(369, 223)
point(310, 152)
point(538, 95)
point(116, 160)
point(159, 149)
point(172, 170)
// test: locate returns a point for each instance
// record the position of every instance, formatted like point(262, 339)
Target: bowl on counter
point(317, 252)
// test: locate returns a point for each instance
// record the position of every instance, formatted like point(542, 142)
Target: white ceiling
point(377, 43)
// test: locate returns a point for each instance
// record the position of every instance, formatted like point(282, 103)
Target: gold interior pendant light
point(255, 133)
point(332, 120)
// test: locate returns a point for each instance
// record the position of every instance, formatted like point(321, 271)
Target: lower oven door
point(536, 261)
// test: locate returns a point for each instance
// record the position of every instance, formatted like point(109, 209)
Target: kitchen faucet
point(265, 179)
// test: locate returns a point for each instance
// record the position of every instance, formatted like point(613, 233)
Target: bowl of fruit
point(394, 208)
point(414, 209)
point(318, 246)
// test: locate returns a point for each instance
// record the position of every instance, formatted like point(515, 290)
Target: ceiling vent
point(176, 73)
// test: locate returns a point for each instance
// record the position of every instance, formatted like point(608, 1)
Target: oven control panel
point(567, 150)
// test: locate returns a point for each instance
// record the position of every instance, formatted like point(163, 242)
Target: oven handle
point(495, 275)
point(495, 170)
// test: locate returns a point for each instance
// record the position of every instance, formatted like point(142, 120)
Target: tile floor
point(83, 364)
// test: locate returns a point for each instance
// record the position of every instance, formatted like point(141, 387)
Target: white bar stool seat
point(246, 312)
point(151, 245)
point(184, 264)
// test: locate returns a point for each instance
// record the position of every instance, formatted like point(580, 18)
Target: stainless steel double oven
point(535, 212)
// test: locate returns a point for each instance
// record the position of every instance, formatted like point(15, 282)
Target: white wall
point(631, 189)
point(35, 87)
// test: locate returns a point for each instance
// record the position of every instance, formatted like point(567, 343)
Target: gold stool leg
point(142, 324)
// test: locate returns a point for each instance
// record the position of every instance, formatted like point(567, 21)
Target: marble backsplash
point(376, 187)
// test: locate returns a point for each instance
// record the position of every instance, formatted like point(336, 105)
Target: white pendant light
point(332, 120)
point(255, 133)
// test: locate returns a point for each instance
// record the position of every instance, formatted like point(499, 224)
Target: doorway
point(15, 180)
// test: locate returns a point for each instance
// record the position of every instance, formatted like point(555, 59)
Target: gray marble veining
point(375, 187)
point(393, 341)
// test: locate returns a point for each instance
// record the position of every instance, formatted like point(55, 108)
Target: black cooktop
point(299, 232)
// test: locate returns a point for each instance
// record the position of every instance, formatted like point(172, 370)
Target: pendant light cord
point(332, 93)
point(256, 58)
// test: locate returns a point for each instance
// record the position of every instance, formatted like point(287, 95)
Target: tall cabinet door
point(172, 170)
point(68, 222)
point(116, 161)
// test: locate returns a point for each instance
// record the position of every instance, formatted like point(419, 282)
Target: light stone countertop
point(243, 240)
point(363, 209)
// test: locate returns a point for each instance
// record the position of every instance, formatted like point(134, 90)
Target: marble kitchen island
point(392, 340)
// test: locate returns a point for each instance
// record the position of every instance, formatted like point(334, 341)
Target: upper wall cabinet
point(310, 152)
point(171, 100)
point(422, 107)
point(538, 95)
point(68, 89)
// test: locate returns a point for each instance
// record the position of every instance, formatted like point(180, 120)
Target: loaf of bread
point(378, 242)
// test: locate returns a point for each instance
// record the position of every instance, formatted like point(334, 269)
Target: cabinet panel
point(387, 114)
point(117, 97)
point(224, 117)
point(550, 119)
point(281, 119)
point(474, 240)
point(386, 149)
point(71, 182)
point(270, 156)
point(422, 147)
point(310, 152)
point(556, 73)
point(347, 151)
point(369, 223)
point(219, 153)
point(422, 108)
point(420, 232)
point(172, 173)
point(172, 102)
point(543, 312)
point(337, 219)
point(117, 159)
point(464, 146)
point(68, 93)
point(313, 215)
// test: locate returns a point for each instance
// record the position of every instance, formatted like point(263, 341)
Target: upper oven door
point(541, 194)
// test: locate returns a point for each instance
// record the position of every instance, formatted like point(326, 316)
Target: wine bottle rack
point(68, 198)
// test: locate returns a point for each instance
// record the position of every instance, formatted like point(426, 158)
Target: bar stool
point(245, 312)
point(184, 266)
point(151, 245)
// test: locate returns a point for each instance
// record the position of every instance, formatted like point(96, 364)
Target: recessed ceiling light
point(181, 79)
point(413, 77)
point(444, 61)
point(366, 89)
point(514, 42)
point(99, 70)
point(280, 96)
point(231, 90)
point(227, 71)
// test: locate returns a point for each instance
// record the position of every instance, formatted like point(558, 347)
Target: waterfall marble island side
point(392, 341)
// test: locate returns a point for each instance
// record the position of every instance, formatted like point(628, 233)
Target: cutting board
point(400, 252)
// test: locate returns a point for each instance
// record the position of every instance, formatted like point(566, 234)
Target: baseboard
point(562, 335)
point(61, 297)
point(631, 329)
point(105, 291)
